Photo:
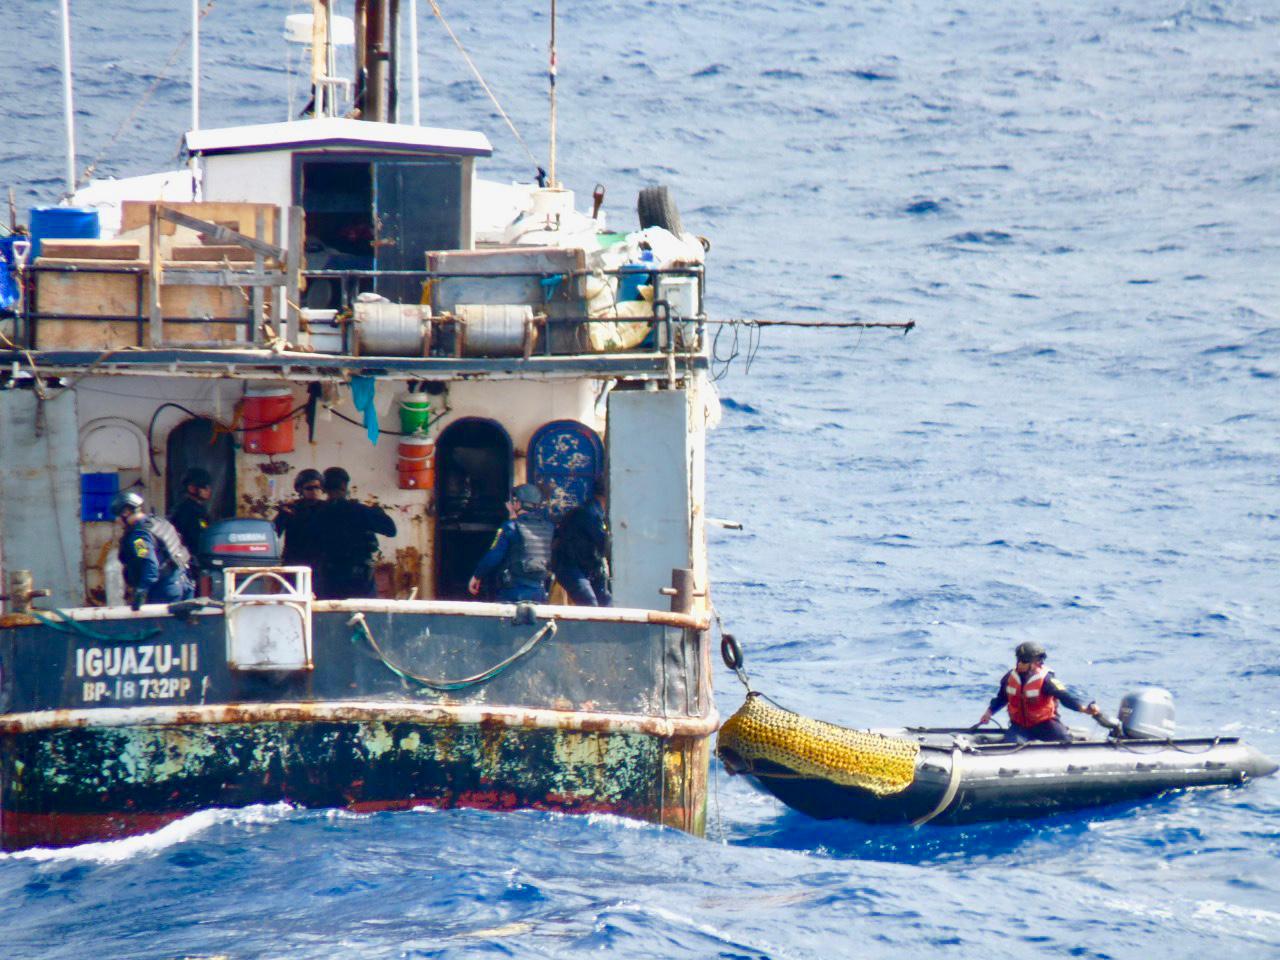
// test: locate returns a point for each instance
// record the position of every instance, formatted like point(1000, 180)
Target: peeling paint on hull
point(81, 784)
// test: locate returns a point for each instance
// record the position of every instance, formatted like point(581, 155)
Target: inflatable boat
point(953, 776)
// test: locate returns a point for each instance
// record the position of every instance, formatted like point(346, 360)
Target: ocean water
point(1079, 444)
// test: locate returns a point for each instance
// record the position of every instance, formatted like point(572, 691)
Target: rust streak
point(362, 711)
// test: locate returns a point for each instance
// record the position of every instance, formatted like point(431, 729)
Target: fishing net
point(811, 748)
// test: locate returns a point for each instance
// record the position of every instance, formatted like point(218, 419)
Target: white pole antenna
point(195, 64)
point(552, 77)
point(68, 106)
point(414, 79)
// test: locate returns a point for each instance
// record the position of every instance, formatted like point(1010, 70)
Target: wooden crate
point(114, 292)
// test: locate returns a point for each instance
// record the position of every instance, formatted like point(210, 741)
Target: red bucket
point(417, 463)
point(268, 428)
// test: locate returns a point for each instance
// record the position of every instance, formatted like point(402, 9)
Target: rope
point(953, 784)
point(391, 433)
point(142, 101)
point(68, 624)
point(358, 621)
point(36, 383)
point(435, 8)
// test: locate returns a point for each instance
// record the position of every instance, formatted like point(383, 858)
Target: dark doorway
point(194, 444)
point(473, 482)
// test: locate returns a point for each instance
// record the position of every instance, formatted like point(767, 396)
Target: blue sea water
point(1077, 202)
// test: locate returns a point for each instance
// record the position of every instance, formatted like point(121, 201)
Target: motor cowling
point(1147, 713)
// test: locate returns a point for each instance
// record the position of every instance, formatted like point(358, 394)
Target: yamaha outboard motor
point(1147, 714)
point(241, 542)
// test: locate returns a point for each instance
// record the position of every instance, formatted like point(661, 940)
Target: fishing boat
point(922, 775)
point(343, 289)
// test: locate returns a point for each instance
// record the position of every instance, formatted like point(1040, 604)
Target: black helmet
point(126, 502)
point(335, 478)
point(1029, 652)
point(527, 495)
point(197, 477)
point(305, 477)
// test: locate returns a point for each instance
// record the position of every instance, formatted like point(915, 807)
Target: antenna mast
point(552, 77)
point(68, 107)
point(195, 64)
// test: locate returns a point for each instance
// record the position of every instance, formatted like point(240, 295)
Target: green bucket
point(415, 412)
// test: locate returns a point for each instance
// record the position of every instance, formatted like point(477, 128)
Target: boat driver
point(1032, 694)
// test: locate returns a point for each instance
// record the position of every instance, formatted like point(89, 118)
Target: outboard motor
point(239, 542)
point(1147, 714)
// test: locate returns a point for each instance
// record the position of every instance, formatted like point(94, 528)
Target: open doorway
point(473, 482)
point(194, 443)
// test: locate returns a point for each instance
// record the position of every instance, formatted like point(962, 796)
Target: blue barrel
point(631, 276)
point(8, 282)
point(62, 223)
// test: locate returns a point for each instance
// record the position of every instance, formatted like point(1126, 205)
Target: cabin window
point(376, 213)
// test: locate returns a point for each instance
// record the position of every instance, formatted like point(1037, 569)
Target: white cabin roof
point(336, 131)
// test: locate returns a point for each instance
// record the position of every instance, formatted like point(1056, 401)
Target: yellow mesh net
point(811, 748)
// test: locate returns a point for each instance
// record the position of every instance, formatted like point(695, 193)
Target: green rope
point(68, 624)
point(445, 686)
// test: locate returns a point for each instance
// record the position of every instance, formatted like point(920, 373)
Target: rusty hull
point(611, 713)
point(69, 784)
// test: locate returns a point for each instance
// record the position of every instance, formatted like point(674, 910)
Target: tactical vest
point(166, 534)
point(576, 543)
point(529, 560)
point(1030, 704)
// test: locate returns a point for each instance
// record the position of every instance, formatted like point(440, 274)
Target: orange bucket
point(417, 463)
point(268, 428)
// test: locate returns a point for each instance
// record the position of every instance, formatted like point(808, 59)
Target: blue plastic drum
point(62, 223)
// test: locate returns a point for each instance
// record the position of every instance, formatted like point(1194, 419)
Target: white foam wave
point(170, 835)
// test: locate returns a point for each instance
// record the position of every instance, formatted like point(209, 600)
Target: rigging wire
point(142, 101)
point(435, 8)
point(722, 361)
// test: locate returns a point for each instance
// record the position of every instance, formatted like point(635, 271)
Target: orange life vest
point(1029, 703)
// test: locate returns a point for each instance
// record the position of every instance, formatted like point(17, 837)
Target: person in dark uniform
point(1032, 695)
point(154, 559)
point(347, 540)
point(191, 516)
point(299, 521)
point(580, 553)
point(520, 554)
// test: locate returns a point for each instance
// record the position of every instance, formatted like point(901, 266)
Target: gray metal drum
point(385, 329)
point(495, 329)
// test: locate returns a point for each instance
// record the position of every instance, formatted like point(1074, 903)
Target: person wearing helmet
point(298, 521)
point(152, 554)
point(520, 554)
point(1032, 694)
point(191, 516)
point(346, 539)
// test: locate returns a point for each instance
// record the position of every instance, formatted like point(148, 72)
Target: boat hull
point(974, 782)
point(563, 728)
